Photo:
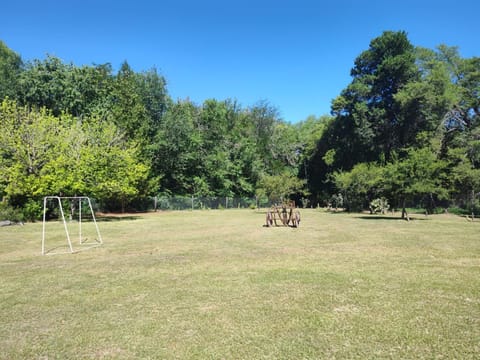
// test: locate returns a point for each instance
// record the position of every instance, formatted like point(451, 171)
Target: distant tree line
point(406, 129)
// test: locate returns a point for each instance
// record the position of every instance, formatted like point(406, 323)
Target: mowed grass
point(219, 285)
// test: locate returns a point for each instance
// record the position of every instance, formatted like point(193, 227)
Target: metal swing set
point(81, 238)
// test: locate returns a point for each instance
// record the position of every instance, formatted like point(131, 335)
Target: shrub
point(32, 210)
point(304, 202)
point(10, 213)
point(336, 201)
point(379, 205)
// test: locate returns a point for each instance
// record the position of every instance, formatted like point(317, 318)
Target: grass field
point(218, 285)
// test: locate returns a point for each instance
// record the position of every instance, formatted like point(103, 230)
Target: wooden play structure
point(283, 215)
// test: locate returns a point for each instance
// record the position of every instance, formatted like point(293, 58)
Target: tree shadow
point(111, 218)
point(382, 217)
point(333, 212)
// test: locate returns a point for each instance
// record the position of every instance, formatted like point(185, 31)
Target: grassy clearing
point(216, 284)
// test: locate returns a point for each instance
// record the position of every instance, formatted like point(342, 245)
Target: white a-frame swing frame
point(80, 200)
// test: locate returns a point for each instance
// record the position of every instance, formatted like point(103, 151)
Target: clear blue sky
point(295, 54)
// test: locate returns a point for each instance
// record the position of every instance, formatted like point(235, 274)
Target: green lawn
point(218, 285)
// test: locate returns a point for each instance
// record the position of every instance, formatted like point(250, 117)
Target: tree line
point(404, 130)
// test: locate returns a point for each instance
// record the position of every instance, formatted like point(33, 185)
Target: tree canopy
point(405, 129)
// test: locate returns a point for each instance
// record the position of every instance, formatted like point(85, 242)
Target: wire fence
point(199, 203)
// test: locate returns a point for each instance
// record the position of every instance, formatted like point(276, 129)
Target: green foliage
point(43, 155)
point(128, 109)
point(395, 115)
point(336, 201)
point(310, 131)
point(119, 137)
point(360, 185)
point(280, 187)
point(222, 149)
point(369, 101)
point(329, 157)
point(32, 210)
point(419, 174)
point(64, 88)
point(10, 213)
point(379, 205)
point(10, 68)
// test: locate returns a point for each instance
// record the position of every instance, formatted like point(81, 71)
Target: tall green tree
point(112, 168)
point(264, 117)
point(65, 88)
point(178, 159)
point(424, 102)
point(153, 91)
point(45, 83)
point(128, 109)
point(369, 101)
point(359, 186)
point(419, 175)
point(11, 66)
point(279, 187)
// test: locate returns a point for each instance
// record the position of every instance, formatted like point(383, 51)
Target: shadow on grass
point(333, 212)
point(380, 217)
point(110, 218)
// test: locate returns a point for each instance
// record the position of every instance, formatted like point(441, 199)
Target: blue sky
point(295, 54)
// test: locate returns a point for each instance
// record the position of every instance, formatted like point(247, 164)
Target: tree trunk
point(404, 211)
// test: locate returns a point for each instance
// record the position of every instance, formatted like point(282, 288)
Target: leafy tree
point(264, 117)
point(48, 84)
point(419, 174)
point(466, 185)
point(360, 185)
point(424, 102)
point(286, 147)
point(468, 83)
point(280, 187)
point(26, 141)
point(92, 87)
point(179, 160)
point(65, 88)
point(368, 116)
point(334, 151)
point(118, 175)
point(369, 101)
point(42, 154)
point(10, 67)
point(128, 109)
point(153, 91)
point(217, 168)
point(310, 131)
point(248, 165)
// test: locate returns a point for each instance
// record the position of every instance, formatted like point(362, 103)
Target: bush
point(379, 205)
point(32, 210)
point(304, 202)
point(336, 201)
point(10, 213)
